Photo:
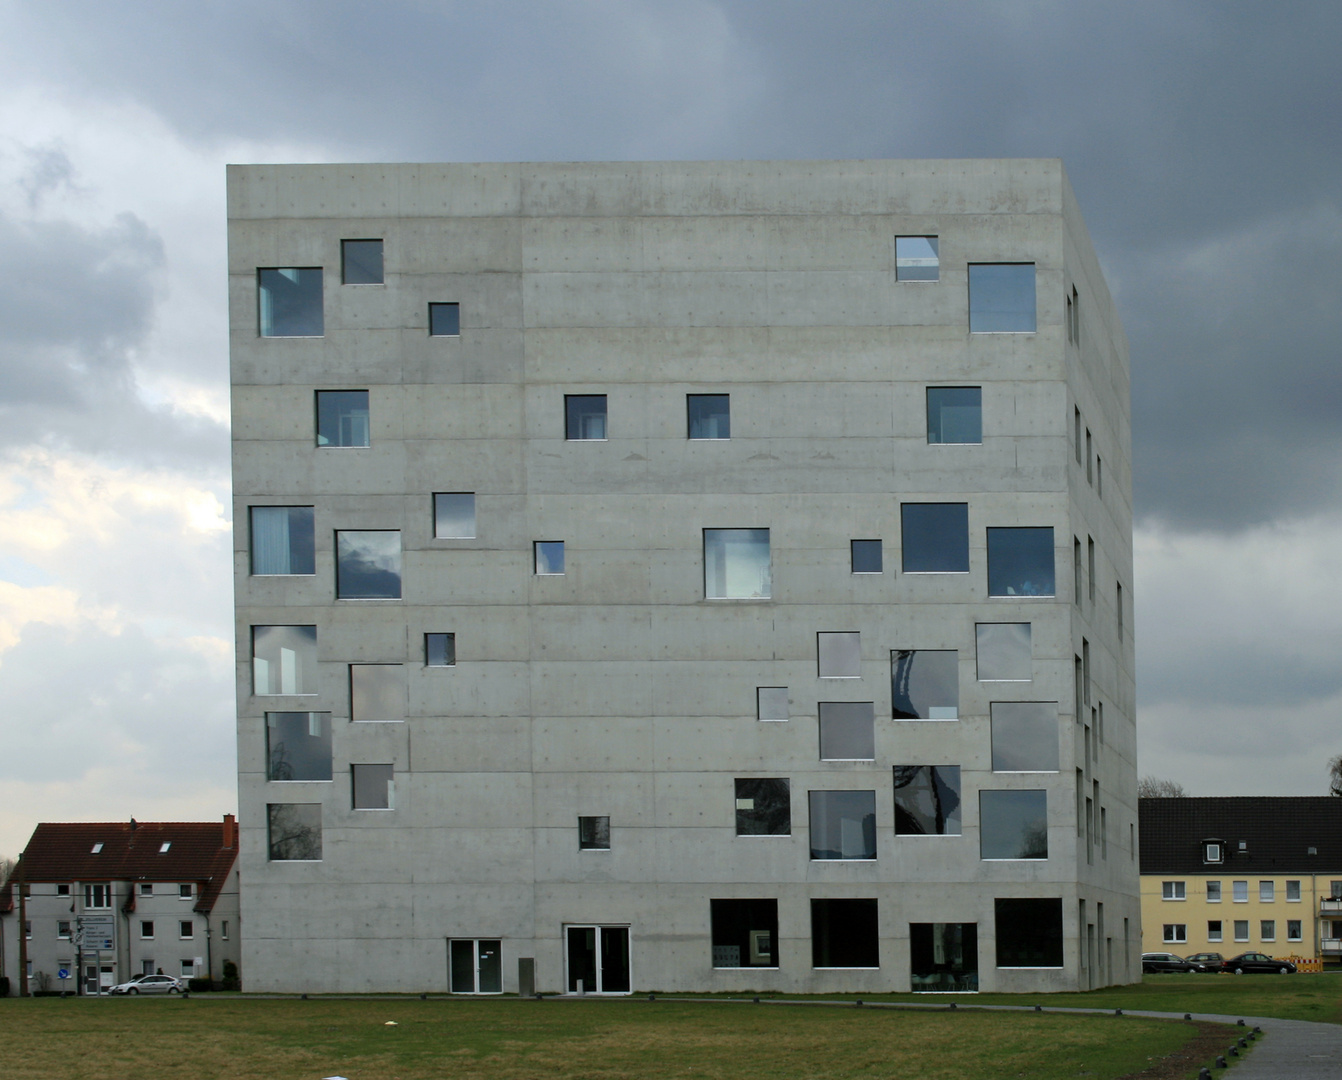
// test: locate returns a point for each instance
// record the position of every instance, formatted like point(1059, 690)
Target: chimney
point(230, 831)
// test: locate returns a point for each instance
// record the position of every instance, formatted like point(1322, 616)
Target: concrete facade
point(618, 689)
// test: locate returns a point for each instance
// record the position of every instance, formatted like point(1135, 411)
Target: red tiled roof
point(63, 851)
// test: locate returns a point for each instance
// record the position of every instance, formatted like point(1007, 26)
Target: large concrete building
point(706, 576)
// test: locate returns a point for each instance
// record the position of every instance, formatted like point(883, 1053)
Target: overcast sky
point(1202, 141)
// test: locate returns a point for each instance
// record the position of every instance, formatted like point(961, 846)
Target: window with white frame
point(1172, 890)
point(1241, 891)
point(186, 929)
point(1294, 930)
point(97, 896)
point(1267, 892)
point(1213, 892)
point(1241, 929)
point(1293, 892)
point(1268, 930)
point(146, 929)
point(1213, 929)
point(1175, 933)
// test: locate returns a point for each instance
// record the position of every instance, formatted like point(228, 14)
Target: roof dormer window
point(97, 848)
point(1213, 851)
point(163, 847)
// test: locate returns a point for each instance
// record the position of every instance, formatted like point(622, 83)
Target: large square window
point(925, 684)
point(342, 418)
point(1003, 653)
point(847, 731)
point(584, 417)
point(284, 660)
point(737, 565)
point(282, 540)
point(549, 556)
point(839, 654)
point(943, 957)
point(368, 565)
point(377, 692)
point(1020, 562)
point(594, 833)
point(763, 807)
point(298, 746)
point(440, 650)
point(294, 831)
point(372, 786)
point(935, 538)
point(1001, 298)
point(745, 933)
point(710, 416)
point(917, 258)
point(1025, 736)
point(1029, 932)
point(866, 555)
point(444, 320)
point(454, 515)
point(1013, 824)
point(361, 262)
point(844, 934)
point(290, 301)
point(954, 414)
point(927, 800)
point(843, 825)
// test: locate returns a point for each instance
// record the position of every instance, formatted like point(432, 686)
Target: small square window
point(955, 414)
point(866, 556)
point(737, 564)
point(186, 929)
point(763, 807)
point(1241, 929)
point(925, 684)
point(1013, 824)
point(927, 800)
point(188, 969)
point(444, 320)
point(1020, 562)
point(709, 416)
point(342, 418)
point(377, 692)
point(368, 565)
point(771, 703)
point(917, 258)
point(185, 891)
point(146, 930)
point(1211, 850)
point(454, 515)
point(847, 731)
point(146, 889)
point(64, 890)
point(549, 557)
point(1173, 890)
point(282, 540)
point(839, 654)
point(1213, 929)
point(440, 650)
point(284, 660)
point(594, 834)
point(373, 787)
point(290, 301)
point(1268, 930)
point(1003, 652)
point(584, 417)
point(1001, 298)
point(1293, 929)
point(294, 831)
point(935, 538)
point(1175, 933)
point(361, 262)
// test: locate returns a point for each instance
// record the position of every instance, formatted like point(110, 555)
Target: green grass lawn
point(250, 1039)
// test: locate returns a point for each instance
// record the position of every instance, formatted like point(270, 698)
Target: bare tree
point(6, 869)
point(1153, 787)
point(1335, 776)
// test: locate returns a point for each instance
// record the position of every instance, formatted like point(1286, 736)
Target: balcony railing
point(1330, 905)
point(1330, 946)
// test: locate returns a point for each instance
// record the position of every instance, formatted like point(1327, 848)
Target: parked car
point(1207, 961)
point(1250, 962)
point(1165, 961)
point(149, 984)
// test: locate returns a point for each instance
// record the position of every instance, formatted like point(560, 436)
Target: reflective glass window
point(361, 262)
point(584, 417)
point(844, 934)
point(943, 957)
point(935, 538)
point(843, 824)
point(847, 731)
point(440, 650)
point(954, 414)
point(290, 301)
point(298, 746)
point(342, 418)
point(737, 564)
point(454, 515)
point(917, 258)
point(284, 659)
point(1020, 562)
point(927, 800)
point(377, 692)
point(1025, 736)
point(710, 416)
point(1001, 298)
point(925, 684)
point(372, 787)
point(1029, 931)
point(763, 807)
point(368, 565)
point(1241, 891)
point(839, 654)
point(1241, 929)
point(1013, 824)
point(282, 540)
point(549, 557)
point(294, 831)
point(771, 703)
point(745, 933)
point(867, 557)
point(1003, 653)
point(444, 320)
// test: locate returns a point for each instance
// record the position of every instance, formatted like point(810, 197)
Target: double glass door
point(475, 967)
point(598, 959)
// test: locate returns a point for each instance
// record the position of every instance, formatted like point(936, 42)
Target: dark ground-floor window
point(745, 933)
point(1029, 932)
point(843, 934)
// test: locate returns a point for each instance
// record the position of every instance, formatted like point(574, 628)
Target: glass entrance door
point(598, 959)
point(475, 966)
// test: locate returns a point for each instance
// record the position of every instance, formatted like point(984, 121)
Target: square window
point(745, 933)
point(927, 800)
point(454, 515)
point(839, 654)
point(955, 414)
point(771, 703)
point(290, 301)
point(710, 416)
point(284, 660)
point(594, 834)
point(377, 692)
point(866, 556)
point(440, 650)
point(1267, 892)
point(282, 540)
point(843, 825)
point(1024, 736)
point(146, 930)
point(146, 889)
point(847, 731)
point(1213, 929)
point(917, 258)
point(943, 957)
point(1268, 930)
point(1013, 824)
point(1172, 890)
point(1241, 929)
point(737, 564)
point(64, 890)
point(925, 684)
point(1293, 892)
point(342, 418)
point(361, 262)
point(186, 929)
point(584, 417)
point(294, 831)
point(185, 890)
point(1029, 932)
point(372, 787)
point(763, 807)
point(1293, 929)
point(368, 565)
point(1213, 892)
point(1001, 298)
point(549, 557)
point(1020, 562)
point(298, 746)
point(1175, 933)
point(1003, 652)
point(444, 320)
point(1241, 891)
point(844, 934)
point(935, 538)
point(188, 969)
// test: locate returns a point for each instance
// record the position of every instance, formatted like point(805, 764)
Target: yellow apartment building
point(1242, 874)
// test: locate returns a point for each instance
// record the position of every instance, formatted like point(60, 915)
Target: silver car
point(149, 984)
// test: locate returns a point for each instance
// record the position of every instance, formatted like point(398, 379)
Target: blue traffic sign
point(62, 974)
